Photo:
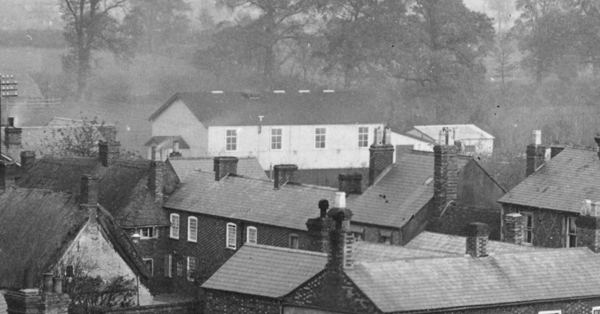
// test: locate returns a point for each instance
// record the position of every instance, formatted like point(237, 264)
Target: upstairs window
point(174, 226)
point(180, 268)
point(251, 235)
point(231, 236)
point(149, 263)
point(320, 134)
point(192, 229)
point(276, 137)
point(191, 268)
point(363, 136)
point(294, 241)
point(147, 233)
point(596, 310)
point(571, 232)
point(528, 230)
point(168, 265)
point(231, 140)
point(385, 237)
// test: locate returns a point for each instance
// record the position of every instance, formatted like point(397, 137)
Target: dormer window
point(252, 235)
point(147, 233)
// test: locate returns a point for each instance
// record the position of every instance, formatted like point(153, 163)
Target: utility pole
point(8, 88)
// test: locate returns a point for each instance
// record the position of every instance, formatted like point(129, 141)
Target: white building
point(474, 140)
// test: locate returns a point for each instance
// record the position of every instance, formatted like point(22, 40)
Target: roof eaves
point(164, 107)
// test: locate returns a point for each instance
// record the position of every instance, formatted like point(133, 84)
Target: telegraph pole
point(8, 88)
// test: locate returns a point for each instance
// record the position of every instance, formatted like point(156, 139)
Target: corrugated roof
point(563, 183)
point(452, 244)
point(399, 193)
point(407, 285)
point(249, 199)
point(290, 108)
point(266, 270)
point(246, 166)
point(462, 131)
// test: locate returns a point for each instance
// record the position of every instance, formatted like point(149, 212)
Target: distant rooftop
point(462, 131)
point(246, 166)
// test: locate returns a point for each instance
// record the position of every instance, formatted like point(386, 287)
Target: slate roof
point(376, 252)
point(246, 166)
point(123, 186)
point(456, 282)
point(266, 270)
point(37, 226)
point(249, 199)
point(462, 131)
point(167, 141)
point(290, 108)
point(399, 192)
point(452, 244)
point(563, 183)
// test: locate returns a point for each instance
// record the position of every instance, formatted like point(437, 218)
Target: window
point(69, 271)
point(167, 266)
point(276, 136)
point(192, 229)
point(320, 137)
point(363, 136)
point(191, 268)
point(571, 232)
point(174, 226)
point(149, 263)
point(147, 233)
point(231, 140)
point(294, 241)
point(358, 233)
point(596, 310)
point(180, 268)
point(385, 237)
point(528, 230)
point(550, 312)
point(231, 236)
point(251, 235)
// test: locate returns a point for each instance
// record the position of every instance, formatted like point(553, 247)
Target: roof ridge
point(282, 249)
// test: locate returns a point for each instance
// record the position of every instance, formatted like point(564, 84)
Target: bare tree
point(502, 54)
point(78, 138)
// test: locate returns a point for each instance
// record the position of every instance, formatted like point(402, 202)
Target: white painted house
point(475, 141)
point(312, 129)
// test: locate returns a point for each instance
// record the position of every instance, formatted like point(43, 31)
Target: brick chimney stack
point(350, 183)
point(445, 171)
point(536, 153)
point(224, 165)
point(3, 174)
point(51, 300)
point(341, 239)
point(282, 174)
point(12, 138)
point(477, 239)
point(156, 180)
point(514, 224)
point(27, 160)
point(319, 229)
point(381, 153)
point(108, 151)
point(588, 226)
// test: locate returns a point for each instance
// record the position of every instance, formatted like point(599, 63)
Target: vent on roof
point(303, 91)
point(328, 91)
point(251, 95)
point(278, 92)
point(217, 92)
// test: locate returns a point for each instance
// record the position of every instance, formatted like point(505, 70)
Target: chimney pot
point(282, 174)
point(537, 137)
point(477, 239)
point(224, 165)
point(340, 200)
point(47, 282)
point(176, 146)
point(323, 207)
point(387, 136)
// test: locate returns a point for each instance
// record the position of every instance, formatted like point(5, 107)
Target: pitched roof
point(246, 166)
point(452, 244)
point(407, 285)
point(37, 226)
point(167, 141)
point(249, 199)
point(123, 186)
point(377, 252)
point(462, 131)
point(290, 108)
point(266, 270)
point(563, 183)
point(399, 192)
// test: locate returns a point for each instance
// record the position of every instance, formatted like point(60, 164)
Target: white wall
point(399, 139)
point(98, 257)
point(298, 145)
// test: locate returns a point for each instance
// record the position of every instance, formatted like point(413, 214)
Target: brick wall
point(567, 307)
point(373, 233)
point(180, 307)
point(155, 248)
point(220, 302)
point(457, 217)
point(548, 225)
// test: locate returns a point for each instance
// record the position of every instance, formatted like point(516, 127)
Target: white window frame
point(551, 312)
point(195, 237)
point(527, 229)
point(290, 242)
point(231, 146)
point(154, 231)
point(168, 267)
point(320, 137)
point(250, 239)
point(174, 230)
point(275, 137)
point(189, 268)
point(596, 310)
point(363, 137)
point(568, 234)
point(151, 264)
point(231, 237)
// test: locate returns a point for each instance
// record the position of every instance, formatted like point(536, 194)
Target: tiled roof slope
point(36, 227)
point(123, 186)
point(290, 108)
point(246, 166)
point(452, 244)
point(399, 193)
point(376, 252)
point(407, 285)
point(249, 199)
point(563, 183)
point(266, 270)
